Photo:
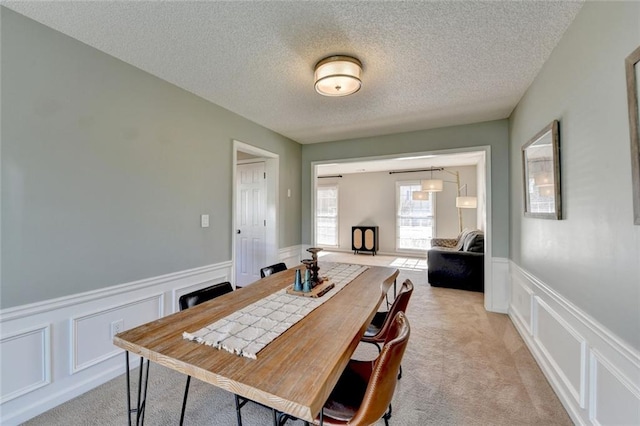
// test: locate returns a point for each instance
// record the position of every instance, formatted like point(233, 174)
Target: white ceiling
point(426, 64)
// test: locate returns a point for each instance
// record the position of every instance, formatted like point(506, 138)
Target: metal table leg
point(142, 393)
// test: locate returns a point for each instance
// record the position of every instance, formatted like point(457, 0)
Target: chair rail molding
point(70, 338)
point(595, 374)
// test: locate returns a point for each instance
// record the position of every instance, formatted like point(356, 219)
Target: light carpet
point(463, 366)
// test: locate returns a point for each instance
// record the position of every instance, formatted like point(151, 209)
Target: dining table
point(293, 374)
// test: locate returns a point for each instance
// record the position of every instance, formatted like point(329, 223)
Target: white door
point(250, 221)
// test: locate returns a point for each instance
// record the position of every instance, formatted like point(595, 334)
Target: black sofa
point(457, 262)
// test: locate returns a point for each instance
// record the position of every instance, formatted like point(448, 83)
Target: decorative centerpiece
point(313, 284)
point(312, 265)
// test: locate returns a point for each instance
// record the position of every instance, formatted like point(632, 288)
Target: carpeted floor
point(463, 366)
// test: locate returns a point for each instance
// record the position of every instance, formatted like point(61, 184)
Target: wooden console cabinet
point(364, 238)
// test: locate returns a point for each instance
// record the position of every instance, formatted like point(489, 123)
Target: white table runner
point(247, 331)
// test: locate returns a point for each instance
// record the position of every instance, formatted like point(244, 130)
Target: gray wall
point(107, 169)
point(592, 257)
point(493, 133)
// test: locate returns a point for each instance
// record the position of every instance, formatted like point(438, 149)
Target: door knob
point(238, 232)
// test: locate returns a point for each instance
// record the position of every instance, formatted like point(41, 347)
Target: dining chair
point(365, 389)
point(376, 332)
point(386, 285)
point(272, 269)
point(195, 298)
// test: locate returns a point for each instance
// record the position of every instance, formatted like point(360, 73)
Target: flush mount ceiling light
point(338, 76)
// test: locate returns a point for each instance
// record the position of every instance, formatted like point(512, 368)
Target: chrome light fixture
point(338, 76)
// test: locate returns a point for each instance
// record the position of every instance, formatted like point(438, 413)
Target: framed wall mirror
point(541, 172)
point(632, 64)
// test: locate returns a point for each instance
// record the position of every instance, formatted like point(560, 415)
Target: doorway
point(479, 156)
point(255, 211)
point(251, 223)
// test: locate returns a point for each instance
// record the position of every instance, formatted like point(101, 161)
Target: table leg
point(126, 357)
point(142, 393)
point(239, 406)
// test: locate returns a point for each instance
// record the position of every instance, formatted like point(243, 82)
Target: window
point(415, 220)
point(327, 215)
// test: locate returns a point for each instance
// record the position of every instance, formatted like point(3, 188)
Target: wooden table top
point(293, 374)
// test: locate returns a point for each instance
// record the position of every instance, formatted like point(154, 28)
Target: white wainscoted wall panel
point(521, 302)
point(55, 350)
point(595, 374)
point(615, 401)
point(26, 361)
point(92, 333)
point(497, 291)
point(292, 255)
point(562, 346)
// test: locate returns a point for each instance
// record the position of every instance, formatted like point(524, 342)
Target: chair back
point(399, 305)
point(384, 376)
point(272, 269)
point(386, 284)
point(204, 294)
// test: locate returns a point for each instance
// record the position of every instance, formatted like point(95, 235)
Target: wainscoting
point(55, 350)
point(496, 285)
point(595, 374)
point(291, 256)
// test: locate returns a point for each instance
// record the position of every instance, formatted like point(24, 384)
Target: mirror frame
point(632, 66)
point(552, 131)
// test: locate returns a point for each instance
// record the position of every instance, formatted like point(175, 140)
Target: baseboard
point(69, 340)
point(594, 373)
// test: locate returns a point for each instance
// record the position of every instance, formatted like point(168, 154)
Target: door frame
point(272, 168)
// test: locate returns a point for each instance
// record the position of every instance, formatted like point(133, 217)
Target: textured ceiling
point(426, 64)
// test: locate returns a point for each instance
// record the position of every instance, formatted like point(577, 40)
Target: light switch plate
point(204, 220)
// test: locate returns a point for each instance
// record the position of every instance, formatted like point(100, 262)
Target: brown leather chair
point(195, 298)
point(386, 285)
point(272, 269)
point(365, 389)
point(376, 332)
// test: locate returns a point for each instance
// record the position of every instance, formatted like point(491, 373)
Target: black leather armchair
point(459, 266)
